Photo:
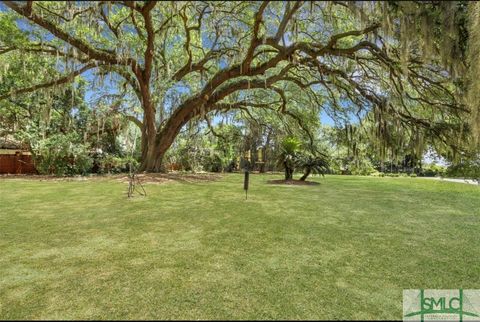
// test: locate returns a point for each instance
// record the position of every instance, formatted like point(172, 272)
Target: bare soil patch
point(159, 178)
point(156, 178)
point(293, 182)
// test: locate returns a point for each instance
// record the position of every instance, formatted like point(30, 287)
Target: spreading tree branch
point(65, 79)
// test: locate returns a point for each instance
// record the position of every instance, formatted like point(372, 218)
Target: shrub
point(392, 175)
point(465, 169)
point(192, 158)
point(213, 163)
point(413, 175)
point(361, 167)
point(231, 166)
point(60, 155)
point(433, 170)
point(109, 163)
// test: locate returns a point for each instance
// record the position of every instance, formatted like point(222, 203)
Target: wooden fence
point(16, 163)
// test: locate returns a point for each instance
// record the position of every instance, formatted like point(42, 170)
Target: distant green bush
point(392, 175)
point(109, 163)
point(361, 167)
point(466, 169)
point(433, 170)
point(213, 163)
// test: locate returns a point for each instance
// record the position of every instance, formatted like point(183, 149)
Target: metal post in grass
point(245, 182)
point(245, 164)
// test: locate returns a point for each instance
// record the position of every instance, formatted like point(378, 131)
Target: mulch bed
point(293, 182)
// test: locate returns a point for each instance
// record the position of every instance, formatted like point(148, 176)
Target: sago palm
point(312, 164)
point(288, 155)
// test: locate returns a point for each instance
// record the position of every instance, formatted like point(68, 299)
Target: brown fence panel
point(7, 163)
point(16, 164)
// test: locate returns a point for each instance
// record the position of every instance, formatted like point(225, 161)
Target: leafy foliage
point(288, 154)
point(61, 154)
point(177, 64)
point(312, 164)
point(465, 169)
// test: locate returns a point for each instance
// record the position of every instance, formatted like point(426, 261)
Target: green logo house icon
point(441, 305)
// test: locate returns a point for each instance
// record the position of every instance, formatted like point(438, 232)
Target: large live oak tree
point(187, 60)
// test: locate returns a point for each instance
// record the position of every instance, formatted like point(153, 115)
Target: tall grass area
point(344, 249)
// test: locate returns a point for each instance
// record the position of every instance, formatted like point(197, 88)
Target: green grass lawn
point(344, 249)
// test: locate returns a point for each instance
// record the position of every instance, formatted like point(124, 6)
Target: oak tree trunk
point(158, 143)
point(149, 129)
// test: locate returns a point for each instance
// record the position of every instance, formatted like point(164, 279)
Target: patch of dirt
point(293, 182)
point(159, 178)
point(38, 177)
point(156, 178)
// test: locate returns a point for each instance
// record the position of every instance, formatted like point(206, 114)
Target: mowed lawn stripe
point(343, 249)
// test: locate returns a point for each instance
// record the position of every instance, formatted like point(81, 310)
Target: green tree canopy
point(183, 61)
